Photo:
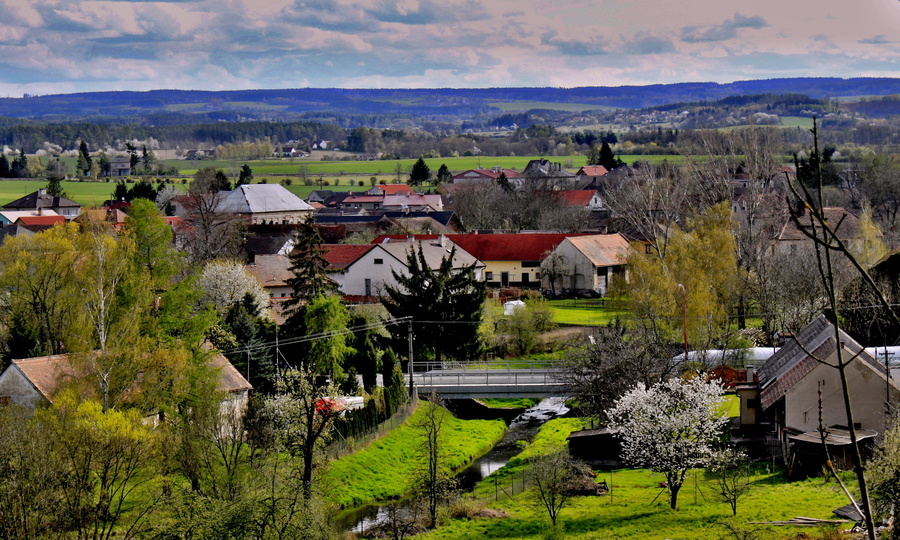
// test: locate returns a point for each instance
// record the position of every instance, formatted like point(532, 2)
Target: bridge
point(480, 380)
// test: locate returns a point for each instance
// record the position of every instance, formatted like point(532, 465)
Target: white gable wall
point(17, 389)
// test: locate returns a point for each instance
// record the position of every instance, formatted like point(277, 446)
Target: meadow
point(636, 508)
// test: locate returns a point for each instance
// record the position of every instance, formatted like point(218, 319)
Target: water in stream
point(521, 428)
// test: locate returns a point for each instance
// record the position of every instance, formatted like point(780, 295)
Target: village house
point(789, 238)
point(406, 202)
point(483, 176)
point(586, 263)
point(363, 271)
point(784, 402)
point(265, 204)
point(39, 201)
point(120, 165)
point(35, 382)
point(511, 260)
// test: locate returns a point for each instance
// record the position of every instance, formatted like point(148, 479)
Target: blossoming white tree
point(670, 427)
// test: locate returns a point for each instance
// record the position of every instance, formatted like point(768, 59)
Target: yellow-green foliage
point(699, 270)
point(387, 467)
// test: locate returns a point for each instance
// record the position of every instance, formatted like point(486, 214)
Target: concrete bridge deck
point(489, 383)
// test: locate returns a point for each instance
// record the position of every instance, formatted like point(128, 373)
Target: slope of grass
point(388, 466)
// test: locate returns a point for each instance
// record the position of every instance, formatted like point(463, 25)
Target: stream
point(522, 428)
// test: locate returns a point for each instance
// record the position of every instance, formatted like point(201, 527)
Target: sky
point(62, 46)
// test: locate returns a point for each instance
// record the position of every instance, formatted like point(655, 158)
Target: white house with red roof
point(511, 260)
point(588, 199)
point(363, 271)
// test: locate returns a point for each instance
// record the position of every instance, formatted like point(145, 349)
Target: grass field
point(387, 467)
point(634, 511)
point(585, 312)
point(85, 193)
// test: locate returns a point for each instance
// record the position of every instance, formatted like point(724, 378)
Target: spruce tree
point(445, 304)
point(443, 175)
point(420, 173)
point(308, 266)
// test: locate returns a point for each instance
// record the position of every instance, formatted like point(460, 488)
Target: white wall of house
point(370, 273)
point(16, 388)
point(868, 390)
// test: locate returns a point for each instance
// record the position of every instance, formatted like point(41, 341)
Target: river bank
point(386, 468)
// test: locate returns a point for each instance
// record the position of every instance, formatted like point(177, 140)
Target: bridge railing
point(494, 365)
point(488, 377)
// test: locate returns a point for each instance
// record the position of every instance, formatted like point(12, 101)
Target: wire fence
point(347, 445)
point(510, 485)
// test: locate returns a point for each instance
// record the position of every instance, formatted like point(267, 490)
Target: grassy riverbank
point(388, 466)
point(634, 511)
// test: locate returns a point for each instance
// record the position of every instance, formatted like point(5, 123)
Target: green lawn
point(585, 311)
point(634, 511)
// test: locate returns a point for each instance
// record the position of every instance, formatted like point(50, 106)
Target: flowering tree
point(670, 427)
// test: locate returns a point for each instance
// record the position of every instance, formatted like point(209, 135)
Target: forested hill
point(187, 106)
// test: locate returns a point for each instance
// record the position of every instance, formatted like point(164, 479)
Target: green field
point(85, 193)
point(522, 106)
point(803, 122)
point(384, 169)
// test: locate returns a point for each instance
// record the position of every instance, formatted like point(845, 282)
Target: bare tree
point(731, 470)
point(553, 475)
point(436, 479)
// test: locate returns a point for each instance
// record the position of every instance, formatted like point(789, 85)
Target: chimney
point(442, 240)
point(42, 192)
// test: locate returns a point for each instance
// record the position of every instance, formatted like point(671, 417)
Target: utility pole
point(411, 370)
point(684, 319)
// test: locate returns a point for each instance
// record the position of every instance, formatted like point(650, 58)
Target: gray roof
point(261, 198)
point(433, 251)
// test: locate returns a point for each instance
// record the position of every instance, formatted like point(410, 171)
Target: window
point(531, 264)
point(379, 261)
point(648, 249)
point(489, 276)
point(525, 277)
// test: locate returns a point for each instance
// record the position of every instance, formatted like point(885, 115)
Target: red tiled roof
point(573, 197)
point(497, 247)
point(592, 170)
point(41, 220)
point(395, 189)
point(340, 256)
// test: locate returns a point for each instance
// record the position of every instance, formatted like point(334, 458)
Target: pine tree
point(246, 175)
point(84, 159)
point(443, 175)
point(606, 157)
point(420, 173)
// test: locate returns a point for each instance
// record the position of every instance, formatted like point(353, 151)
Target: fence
point(342, 446)
point(510, 485)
